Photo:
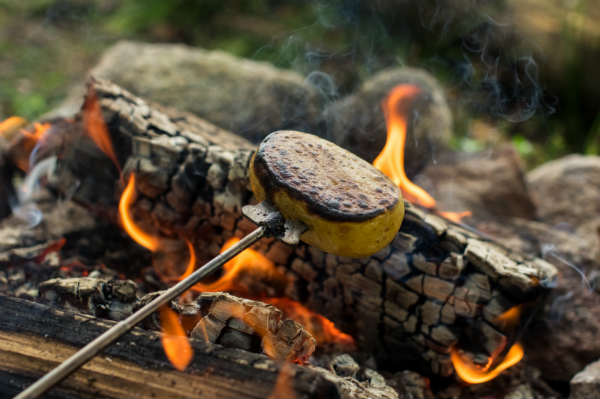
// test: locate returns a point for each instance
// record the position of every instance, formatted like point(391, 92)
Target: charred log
point(136, 360)
point(36, 338)
point(437, 286)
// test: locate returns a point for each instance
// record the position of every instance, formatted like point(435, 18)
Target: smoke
point(24, 207)
point(324, 83)
point(491, 64)
point(548, 252)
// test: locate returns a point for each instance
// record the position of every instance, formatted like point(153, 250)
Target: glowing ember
point(248, 261)
point(141, 237)
point(54, 247)
point(320, 327)
point(175, 342)
point(391, 159)
point(477, 374)
point(474, 374)
point(96, 127)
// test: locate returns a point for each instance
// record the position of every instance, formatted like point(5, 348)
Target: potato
point(351, 209)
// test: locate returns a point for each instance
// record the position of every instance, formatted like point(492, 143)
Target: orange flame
point(476, 374)
point(11, 124)
point(191, 262)
point(141, 237)
point(248, 260)
point(96, 127)
point(174, 339)
point(26, 142)
point(391, 158)
point(175, 342)
point(320, 327)
point(283, 384)
point(510, 318)
point(251, 261)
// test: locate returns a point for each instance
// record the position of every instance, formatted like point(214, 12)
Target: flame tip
point(390, 160)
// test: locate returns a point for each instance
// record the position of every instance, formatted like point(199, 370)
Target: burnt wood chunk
point(237, 322)
point(432, 287)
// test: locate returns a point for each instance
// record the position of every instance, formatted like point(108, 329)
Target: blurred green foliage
point(48, 45)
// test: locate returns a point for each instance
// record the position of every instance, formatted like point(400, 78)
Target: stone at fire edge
point(253, 98)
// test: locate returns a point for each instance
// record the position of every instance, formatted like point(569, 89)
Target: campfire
point(299, 199)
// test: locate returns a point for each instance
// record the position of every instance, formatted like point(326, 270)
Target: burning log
point(136, 361)
point(220, 318)
point(438, 287)
point(37, 337)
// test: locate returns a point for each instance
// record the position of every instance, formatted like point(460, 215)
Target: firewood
point(35, 338)
point(436, 286)
point(114, 299)
point(221, 318)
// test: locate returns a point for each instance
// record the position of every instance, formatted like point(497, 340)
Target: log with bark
point(35, 338)
point(436, 286)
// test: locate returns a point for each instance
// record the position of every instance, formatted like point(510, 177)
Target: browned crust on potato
point(334, 183)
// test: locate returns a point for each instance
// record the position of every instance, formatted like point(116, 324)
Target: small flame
point(283, 384)
point(191, 262)
point(141, 237)
point(319, 326)
point(477, 374)
point(96, 127)
point(11, 124)
point(474, 374)
point(510, 318)
point(28, 144)
point(175, 342)
point(248, 260)
point(391, 158)
point(455, 217)
point(251, 261)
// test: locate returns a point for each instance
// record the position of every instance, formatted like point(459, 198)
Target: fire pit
point(106, 208)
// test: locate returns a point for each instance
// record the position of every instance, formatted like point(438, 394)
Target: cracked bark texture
point(436, 286)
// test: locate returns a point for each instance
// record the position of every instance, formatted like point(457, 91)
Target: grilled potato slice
point(351, 209)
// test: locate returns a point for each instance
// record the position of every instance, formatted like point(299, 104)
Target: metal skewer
point(270, 222)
